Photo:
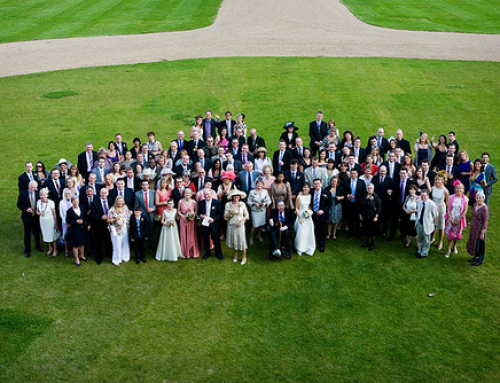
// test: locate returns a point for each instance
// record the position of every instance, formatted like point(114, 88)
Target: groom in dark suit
point(210, 211)
point(318, 129)
point(281, 223)
point(26, 202)
point(321, 208)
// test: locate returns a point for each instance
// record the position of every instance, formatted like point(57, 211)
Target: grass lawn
point(479, 16)
point(346, 315)
point(41, 19)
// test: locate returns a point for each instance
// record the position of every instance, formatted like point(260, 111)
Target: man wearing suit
point(452, 141)
point(206, 163)
point(87, 197)
point(174, 152)
point(281, 158)
point(425, 223)
point(221, 155)
point(100, 209)
point(315, 171)
point(352, 165)
point(239, 136)
point(318, 130)
point(91, 183)
point(452, 151)
point(231, 161)
point(26, 202)
point(298, 151)
point(210, 212)
point(392, 166)
point(244, 156)
point(184, 166)
point(402, 143)
point(358, 151)
point(100, 171)
point(87, 160)
point(235, 146)
point(255, 141)
point(145, 200)
point(178, 190)
point(121, 191)
point(452, 172)
point(24, 179)
point(195, 144)
point(247, 177)
point(120, 145)
point(281, 224)
point(382, 142)
point(228, 123)
point(131, 181)
point(321, 208)
point(398, 192)
point(382, 183)
point(56, 187)
point(139, 233)
point(200, 180)
point(296, 178)
point(182, 144)
point(355, 192)
point(426, 169)
point(490, 177)
point(373, 143)
point(209, 126)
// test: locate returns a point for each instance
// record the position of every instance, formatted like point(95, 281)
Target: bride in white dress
point(305, 241)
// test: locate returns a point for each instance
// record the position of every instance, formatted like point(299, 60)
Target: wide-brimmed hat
point(236, 192)
point(63, 161)
point(166, 171)
point(261, 149)
point(148, 172)
point(291, 124)
point(228, 175)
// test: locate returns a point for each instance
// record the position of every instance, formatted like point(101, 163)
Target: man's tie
point(58, 188)
point(146, 202)
point(138, 227)
point(30, 175)
point(91, 161)
point(316, 201)
point(353, 189)
point(105, 206)
point(421, 220)
point(249, 181)
point(314, 174)
point(402, 192)
point(32, 200)
point(282, 218)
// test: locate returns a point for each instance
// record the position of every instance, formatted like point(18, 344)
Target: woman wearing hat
point(258, 200)
point(226, 186)
point(477, 232)
point(261, 160)
point(236, 214)
point(290, 135)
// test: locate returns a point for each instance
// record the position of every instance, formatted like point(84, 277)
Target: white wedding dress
point(304, 234)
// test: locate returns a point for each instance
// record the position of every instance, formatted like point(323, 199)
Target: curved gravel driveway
point(314, 28)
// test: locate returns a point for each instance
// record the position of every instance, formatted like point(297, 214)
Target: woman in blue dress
point(477, 180)
point(465, 169)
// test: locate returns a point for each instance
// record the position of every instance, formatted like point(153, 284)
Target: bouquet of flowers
point(308, 213)
point(190, 215)
point(170, 224)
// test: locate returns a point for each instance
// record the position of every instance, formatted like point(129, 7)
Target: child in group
point(139, 233)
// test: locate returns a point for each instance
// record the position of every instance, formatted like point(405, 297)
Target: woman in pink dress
point(455, 217)
point(187, 213)
point(162, 195)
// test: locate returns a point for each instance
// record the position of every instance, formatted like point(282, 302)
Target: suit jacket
point(84, 202)
point(238, 167)
point(207, 163)
point(139, 201)
point(430, 215)
point(316, 135)
point(455, 171)
point(185, 144)
point(124, 148)
point(129, 197)
point(196, 182)
point(215, 213)
point(82, 163)
point(224, 124)
point(177, 155)
point(53, 194)
point(176, 195)
point(361, 154)
point(287, 157)
point(288, 216)
point(397, 168)
point(178, 170)
point(133, 228)
point(295, 152)
point(382, 187)
point(405, 146)
point(384, 147)
point(210, 152)
point(97, 212)
point(297, 184)
point(97, 172)
point(256, 143)
point(24, 180)
point(320, 173)
point(431, 174)
point(213, 128)
point(324, 204)
point(239, 157)
point(396, 189)
point(192, 147)
point(96, 191)
point(23, 203)
point(355, 167)
point(360, 192)
point(136, 182)
point(243, 180)
point(490, 178)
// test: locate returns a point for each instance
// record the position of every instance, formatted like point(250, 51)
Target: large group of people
point(220, 182)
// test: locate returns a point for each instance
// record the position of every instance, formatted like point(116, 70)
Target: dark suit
point(278, 239)
point(249, 158)
point(101, 232)
point(175, 157)
point(137, 240)
point(381, 188)
point(361, 157)
point(296, 154)
point(352, 208)
point(123, 148)
point(207, 163)
point(31, 221)
point(196, 182)
point(82, 163)
point(431, 174)
point(228, 124)
point(179, 169)
point(193, 146)
point(177, 195)
point(54, 195)
point(356, 167)
point(238, 167)
point(256, 143)
point(295, 184)
point(212, 231)
point(383, 147)
point(139, 201)
point(89, 234)
point(491, 178)
point(397, 202)
point(212, 126)
point(455, 172)
point(404, 145)
point(287, 157)
point(320, 221)
point(136, 184)
point(24, 180)
point(129, 197)
point(397, 168)
point(243, 180)
point(317, 134)
point(182, 146)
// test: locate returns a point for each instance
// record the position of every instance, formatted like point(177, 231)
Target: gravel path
point(314, 28)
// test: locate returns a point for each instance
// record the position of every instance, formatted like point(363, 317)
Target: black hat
point(291, 125)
